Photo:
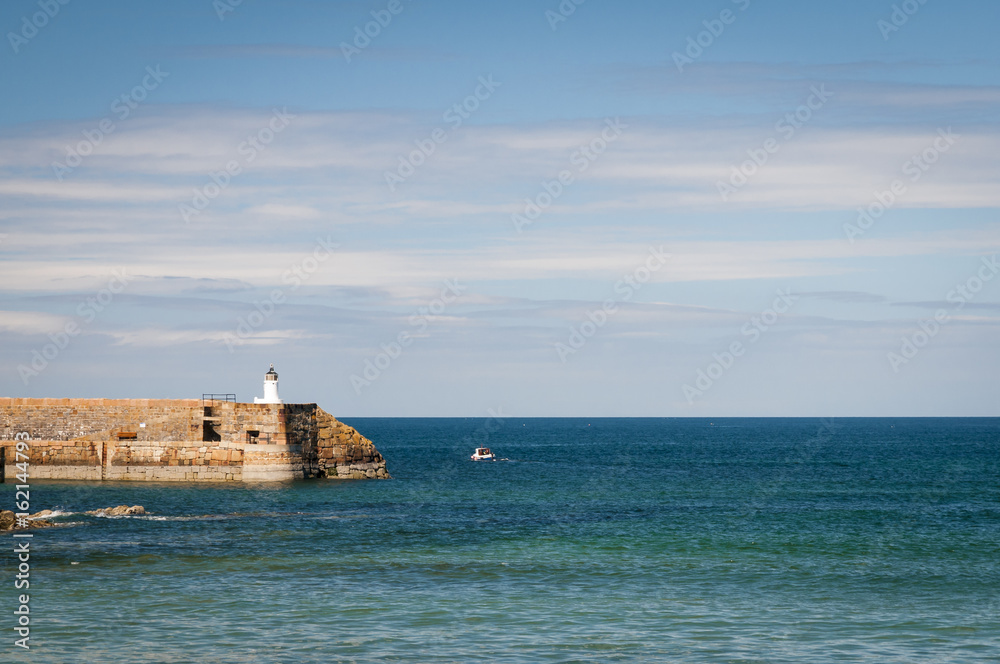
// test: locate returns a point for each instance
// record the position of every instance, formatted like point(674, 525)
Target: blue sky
point(192, 190)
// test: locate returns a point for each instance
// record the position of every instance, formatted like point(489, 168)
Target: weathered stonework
point(183, 440)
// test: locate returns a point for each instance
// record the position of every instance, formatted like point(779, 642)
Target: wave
point(54, 514)
point(154, 517)
point(51, 515)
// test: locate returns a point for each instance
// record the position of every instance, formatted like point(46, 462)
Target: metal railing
point(219, 397)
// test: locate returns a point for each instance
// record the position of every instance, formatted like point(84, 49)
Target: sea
point(590, 540)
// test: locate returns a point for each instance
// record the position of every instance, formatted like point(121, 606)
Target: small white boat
point(483, 454)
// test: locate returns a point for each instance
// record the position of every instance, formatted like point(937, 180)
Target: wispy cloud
point(32, 322)
point(337, 161)
point(164, 338)
point(239, 51)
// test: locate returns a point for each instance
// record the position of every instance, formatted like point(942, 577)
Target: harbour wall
point(182, 440)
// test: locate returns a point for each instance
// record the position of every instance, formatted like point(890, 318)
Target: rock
point(8, 520)
point(43, 513)
point(121, 510)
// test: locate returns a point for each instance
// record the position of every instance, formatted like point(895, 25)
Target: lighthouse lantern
point(270, 388)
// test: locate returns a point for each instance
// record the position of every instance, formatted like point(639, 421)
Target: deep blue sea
point(600, 540)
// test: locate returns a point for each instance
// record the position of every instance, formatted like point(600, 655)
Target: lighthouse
point(270, 388)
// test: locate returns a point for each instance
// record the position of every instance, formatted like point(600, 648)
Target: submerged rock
point(9, 521)
point(121, 510)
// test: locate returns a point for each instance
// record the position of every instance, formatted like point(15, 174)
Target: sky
point(529, 208)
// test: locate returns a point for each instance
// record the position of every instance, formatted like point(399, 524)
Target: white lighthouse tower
point(270, 388)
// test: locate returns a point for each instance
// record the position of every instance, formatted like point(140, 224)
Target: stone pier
point(183, 440)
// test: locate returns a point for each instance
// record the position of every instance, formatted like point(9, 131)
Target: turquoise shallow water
point(605, 540)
